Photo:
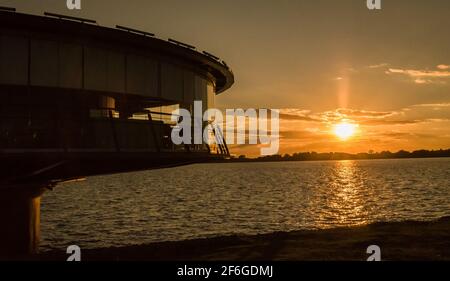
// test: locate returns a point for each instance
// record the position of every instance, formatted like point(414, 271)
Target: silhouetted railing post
point(152, 127)
point(113, 128)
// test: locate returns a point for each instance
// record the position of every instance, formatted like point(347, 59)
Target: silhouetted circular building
point(80, 99)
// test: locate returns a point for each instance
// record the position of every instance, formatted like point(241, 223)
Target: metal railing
point(64, 17)
point(54, 129)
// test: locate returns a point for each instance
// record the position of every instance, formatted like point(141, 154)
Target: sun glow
point(345, 130)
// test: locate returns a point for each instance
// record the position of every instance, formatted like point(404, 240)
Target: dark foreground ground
point(398, 241)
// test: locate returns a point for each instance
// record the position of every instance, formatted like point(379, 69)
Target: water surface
point(205, 200)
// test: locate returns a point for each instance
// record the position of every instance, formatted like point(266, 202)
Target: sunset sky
point(318, 61)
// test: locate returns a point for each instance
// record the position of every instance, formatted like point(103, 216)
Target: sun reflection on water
point(346, 202)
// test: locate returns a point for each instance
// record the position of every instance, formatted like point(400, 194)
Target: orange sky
point(410, 128)
point(318, 61)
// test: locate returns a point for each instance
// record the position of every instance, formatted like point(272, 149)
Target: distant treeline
point(311, 156)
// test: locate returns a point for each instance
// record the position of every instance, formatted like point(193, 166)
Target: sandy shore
point(398, 241)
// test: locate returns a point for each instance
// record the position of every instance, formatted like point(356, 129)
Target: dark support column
point(20, 220)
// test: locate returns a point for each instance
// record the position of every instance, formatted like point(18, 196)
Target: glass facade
point(66, 96)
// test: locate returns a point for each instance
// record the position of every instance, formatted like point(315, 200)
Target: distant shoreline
point(334, 156)
point(407, 240)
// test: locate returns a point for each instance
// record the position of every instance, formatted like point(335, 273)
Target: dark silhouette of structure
point(78, 99)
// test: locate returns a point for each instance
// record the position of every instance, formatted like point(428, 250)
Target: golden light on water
point(345, 130)
point(346, 200)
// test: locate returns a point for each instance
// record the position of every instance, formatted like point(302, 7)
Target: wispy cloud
point(424, 76)
point(413, 114)
point(420, 73)
point(364, 113)
point(358, 115)
point(433, 105)
point(380, 65)
point(422, 81)
point(381, 122)
point(287, 116)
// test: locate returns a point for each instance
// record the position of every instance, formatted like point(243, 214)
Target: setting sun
point(344, 130)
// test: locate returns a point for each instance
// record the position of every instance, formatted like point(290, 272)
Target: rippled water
point(206, 200)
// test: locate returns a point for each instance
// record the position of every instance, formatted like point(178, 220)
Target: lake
point(206, 200)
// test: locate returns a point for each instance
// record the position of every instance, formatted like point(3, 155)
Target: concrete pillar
point(20, 220)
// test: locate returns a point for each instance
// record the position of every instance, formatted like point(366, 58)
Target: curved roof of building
point(66, 26)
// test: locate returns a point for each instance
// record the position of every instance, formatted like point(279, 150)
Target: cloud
point(363, 113)
point(380, 65)
point(367, 117)
point(285, 116)
point(300, 134)
point(357, 115)
point(413, 114)
point(422, 81)
point(420, 73)
point(443, 66)
point(293, 114)
point(403, 135)
point(434, 105)
point(424, 76)
point(389, 122)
